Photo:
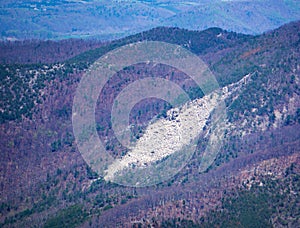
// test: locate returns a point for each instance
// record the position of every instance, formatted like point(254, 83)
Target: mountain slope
point(44, 179)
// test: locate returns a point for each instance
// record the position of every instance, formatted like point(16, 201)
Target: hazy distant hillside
point(250, 17)
point(254, 180)
point(111, 19)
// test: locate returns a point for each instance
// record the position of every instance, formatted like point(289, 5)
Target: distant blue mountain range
point(45, 19)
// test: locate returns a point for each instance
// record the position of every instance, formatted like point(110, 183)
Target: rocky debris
point(169, 135)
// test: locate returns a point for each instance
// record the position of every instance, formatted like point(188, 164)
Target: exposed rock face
point(180, 128)
point(166, 136)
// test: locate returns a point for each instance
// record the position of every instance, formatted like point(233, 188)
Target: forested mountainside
point(253, 181)
point(37, 51)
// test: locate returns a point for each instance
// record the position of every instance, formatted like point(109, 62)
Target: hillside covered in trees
point(254, 181)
